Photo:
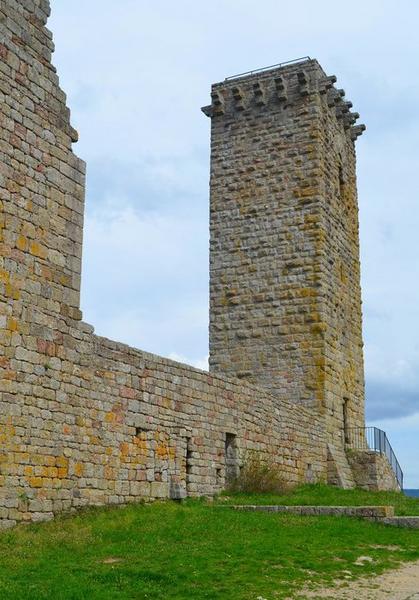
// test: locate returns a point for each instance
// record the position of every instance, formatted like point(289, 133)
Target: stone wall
point(105, 423)
point(84, 420)
point(285, 306)
point(372, 471)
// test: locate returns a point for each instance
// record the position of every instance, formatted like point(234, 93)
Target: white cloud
point(199, 363)
point(145, 285)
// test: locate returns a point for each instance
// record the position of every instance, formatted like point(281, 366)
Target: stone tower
point(285, 299)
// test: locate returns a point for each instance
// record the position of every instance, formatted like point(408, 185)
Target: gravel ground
point(399, 584)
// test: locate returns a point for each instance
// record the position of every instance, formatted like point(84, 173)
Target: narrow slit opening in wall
point(341, 182)
point(232, 469)
point(188, 467)
point(188, 455)
point(345, 421)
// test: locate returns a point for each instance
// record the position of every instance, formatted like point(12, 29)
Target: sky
point(136, 74)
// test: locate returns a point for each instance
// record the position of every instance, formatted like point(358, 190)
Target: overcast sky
point(137, 72)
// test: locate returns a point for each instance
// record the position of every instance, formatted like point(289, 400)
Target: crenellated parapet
point(280, 88)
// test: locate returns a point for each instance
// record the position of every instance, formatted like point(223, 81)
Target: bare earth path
point(399, 584)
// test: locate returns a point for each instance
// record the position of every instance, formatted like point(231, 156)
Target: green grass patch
point(323, 495)
point(194, 550)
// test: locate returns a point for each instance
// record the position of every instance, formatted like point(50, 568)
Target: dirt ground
point(399, 584)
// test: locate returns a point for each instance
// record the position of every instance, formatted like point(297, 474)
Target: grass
point(195, 550)
point(329, 496)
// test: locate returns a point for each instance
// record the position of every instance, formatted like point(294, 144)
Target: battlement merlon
point(280, 87)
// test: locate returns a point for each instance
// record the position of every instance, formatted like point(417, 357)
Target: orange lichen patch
point(141, 445)
point(79, 469)
point(312, 218)
point(305, 292)
point(4, 362)
point(342, 274)
point(49, 472)
point(166, 402)
point(312, 317)
point(305, 192)
point(66, 429)
point(22, 243)
point(109, 473)
point(6, 433)
point(12, 324)
point(162, 451)
point(349, 376)
point(36, 482)
point(110, 417)
point(37, 250)
point(319, 327)
point(10, 375)
point(165, 452)
point(61, 461)
point(21, 457)
point(12, 291)
point(65, 280)
point(321, 380)
point(124, 449)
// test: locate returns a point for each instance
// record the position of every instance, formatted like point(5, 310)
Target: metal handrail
point(375, 440)
point(277, 66)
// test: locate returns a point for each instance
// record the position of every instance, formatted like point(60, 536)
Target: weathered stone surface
point(409, 522)
point(285, 308)
point(88, 421)
point(84, 420)
point(372, 471)
point(378, 512)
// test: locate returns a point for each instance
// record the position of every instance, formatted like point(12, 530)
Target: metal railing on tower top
point(374, 440)
point(270, 68)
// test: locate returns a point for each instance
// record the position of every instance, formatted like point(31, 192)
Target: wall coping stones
point(376, 512)
point(410, 522)
point(224, 381)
